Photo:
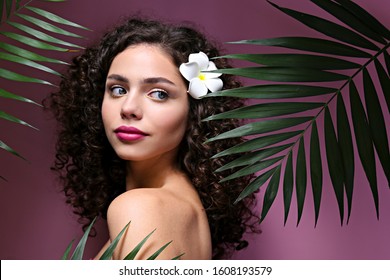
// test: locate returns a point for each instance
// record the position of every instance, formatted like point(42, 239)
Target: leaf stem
point(16, 11)
point(364, 66)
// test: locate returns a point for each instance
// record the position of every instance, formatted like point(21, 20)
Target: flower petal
point(197, 88)
point(213, 85)
point(212, 67)
point(201, 58)
point(189, 70)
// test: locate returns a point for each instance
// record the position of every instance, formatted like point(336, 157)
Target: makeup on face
point(129, 133)
point(145, 105)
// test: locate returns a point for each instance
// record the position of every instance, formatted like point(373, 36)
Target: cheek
point(106, 112)
point(108, 118)
point(173, 125)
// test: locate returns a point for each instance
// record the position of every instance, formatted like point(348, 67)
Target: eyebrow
point(157, 80)
point(151, 80)
point(119, 78)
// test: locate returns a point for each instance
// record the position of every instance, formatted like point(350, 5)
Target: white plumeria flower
point(200, 83)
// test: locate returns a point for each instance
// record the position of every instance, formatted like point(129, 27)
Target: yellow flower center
point(202, 76)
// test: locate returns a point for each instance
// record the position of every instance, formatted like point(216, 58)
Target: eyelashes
point(158, 94)
point(154, 94)
point(117, 91)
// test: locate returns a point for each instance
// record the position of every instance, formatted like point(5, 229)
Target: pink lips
point(129, 133)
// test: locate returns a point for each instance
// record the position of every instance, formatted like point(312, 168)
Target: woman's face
point(145, 104)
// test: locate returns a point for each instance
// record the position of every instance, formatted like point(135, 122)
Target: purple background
point(36, 223)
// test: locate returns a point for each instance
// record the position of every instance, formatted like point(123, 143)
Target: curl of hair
point(93, 175)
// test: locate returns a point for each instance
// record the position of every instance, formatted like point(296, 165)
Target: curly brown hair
point(93, 175)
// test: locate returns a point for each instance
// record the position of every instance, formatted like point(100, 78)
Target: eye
point(117, 91)
point(158, 94)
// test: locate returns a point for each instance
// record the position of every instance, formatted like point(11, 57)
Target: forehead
point(146, 53)
point(146, 60)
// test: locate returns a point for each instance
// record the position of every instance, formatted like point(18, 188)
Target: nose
point(132, 106)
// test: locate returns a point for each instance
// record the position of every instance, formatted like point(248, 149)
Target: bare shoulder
point(174, 217)
point(137, 202)
point(149, 205)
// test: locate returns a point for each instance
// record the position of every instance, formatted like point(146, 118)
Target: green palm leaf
point(364, 141)
point(256, 184)
point(301, 178)
point(107, 255)
point(329, 28)
point(335, 166)
point(8, 117)
point(41, 35)
point(252, 168)
point(65, 256)
point(54, 18)
point(350, 19)
point(27, 54)
point(315, 170)
point(262, 127)
point(9, 149)
point(270, 193)
point(309, 44)
point(376, 122)
point(365, 17)
point(8, 6)
point(35, 42)
point(258, 143)
point(346, 150)
point(265, 110)
point(361, 40)
point(134, 252)
point(159, 251)
point(27, 62)
point(387, 60)
point(178, 257)
point(6, 94)
point(253, 157)
point(78, 253)
point(288, 186)
point(9, 75)
point(1, 9)
point(297, 60)
point(32, 42)
point(274, 91)
point(79, 250)
point(48, 26)
point(384, 81)
point(285, 74)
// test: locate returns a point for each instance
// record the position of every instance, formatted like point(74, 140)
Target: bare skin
point(145, 90)
point(177, 216)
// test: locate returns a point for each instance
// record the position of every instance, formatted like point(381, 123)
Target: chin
point(136, 156)
point(128, 157)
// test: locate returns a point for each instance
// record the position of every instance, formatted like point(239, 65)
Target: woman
point(131, 143)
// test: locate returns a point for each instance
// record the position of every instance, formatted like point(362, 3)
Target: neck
point(151, 173)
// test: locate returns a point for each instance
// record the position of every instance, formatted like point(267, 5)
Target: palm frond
point(315, 172)
point(357, 47)
point(78, 252)
point(270, 91)
point(6, 94)
point(65, 256)
point(107, 255)
point(14, 119)
point(37, 33)
point(7, 148)
point(134, 252)
point(288, 186)
point(329, 28)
